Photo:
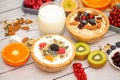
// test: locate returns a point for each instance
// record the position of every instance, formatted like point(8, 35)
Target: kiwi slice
point(97, 59)
point(82, 50)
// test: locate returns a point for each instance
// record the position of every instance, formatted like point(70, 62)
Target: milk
point(51, 18)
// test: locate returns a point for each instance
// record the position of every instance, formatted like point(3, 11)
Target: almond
point(15, 23)
point(87, 26)
point(99, 25)
point(25, 28)
point(93, 27)
point(10, 28)
point(25, 39)
point(17, 27)
point(28, 21)
point(10, 33)
point(74, 23)
point(21, 20)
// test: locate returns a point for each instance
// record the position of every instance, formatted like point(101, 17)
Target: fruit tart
point(53, 53)
point(87, 24)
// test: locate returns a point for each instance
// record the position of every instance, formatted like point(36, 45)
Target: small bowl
point(111, 55)
point(56, 61)
point(87, 35)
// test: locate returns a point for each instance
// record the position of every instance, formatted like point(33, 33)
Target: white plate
point(110, 56)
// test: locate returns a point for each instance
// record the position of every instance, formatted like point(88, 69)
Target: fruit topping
point(97, 59)
point(116, 59)
point(79, 71)
point(53, 51)
point(114, 17)
point(54, 47)
point(82, 50)
point(88, 21)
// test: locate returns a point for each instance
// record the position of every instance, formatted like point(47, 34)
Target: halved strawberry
point(61, 51)
point(42, 45)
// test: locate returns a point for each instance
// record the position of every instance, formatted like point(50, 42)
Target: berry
point(83, 17)
point(84, 22)
point(35, 6)
point(42, 45)
point(80, 26)
point(108, 52)
point(39, 2)
point(117, 44)
point(61, 50)
point(77, 18)
point(54, 47)
point(31, 2)
point(113, 47)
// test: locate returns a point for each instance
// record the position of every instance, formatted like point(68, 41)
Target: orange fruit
point(15, 54)
point(69, 5)
point(97, 4)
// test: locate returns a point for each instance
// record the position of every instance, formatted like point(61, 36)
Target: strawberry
point(42, 45)
point(61, 51)
point(39, 2)
point(35, 6)
point(31, 2)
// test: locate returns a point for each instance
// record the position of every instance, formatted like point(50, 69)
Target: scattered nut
point(28, 21)
point(25, 28)
point(74, 23)
point(21, 20)
point(25, 39)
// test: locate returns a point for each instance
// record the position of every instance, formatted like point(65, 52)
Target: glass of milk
point(51, 17)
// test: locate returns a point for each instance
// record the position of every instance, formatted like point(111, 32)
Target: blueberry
point(91, 21)
point(85, 13)
point(84, 21)
point(108, 51)
point(113, 47)
point(117, 44)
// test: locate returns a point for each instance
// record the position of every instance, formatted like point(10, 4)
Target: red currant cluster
point(79, 71)
point(114, 17)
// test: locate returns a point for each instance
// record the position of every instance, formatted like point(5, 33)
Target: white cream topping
point(40, 57)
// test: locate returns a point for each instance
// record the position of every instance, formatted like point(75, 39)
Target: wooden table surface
point(11, 9)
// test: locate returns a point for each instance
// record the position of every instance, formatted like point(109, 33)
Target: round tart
point(53, 53)
point(87, 24)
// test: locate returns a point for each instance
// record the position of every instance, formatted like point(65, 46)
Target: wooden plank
point(6, 5)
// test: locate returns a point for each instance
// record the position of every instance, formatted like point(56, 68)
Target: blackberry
point(99, 18)
point(80, 26)
point(54, 47)
point(117, 44)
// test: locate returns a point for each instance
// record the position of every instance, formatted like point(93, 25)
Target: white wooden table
point(11, 9)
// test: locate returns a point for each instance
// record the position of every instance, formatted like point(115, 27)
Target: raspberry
point(61, 50)
point(42, 45)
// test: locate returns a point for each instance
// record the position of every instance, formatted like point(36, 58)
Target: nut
point(28, 21)
point(25, 28)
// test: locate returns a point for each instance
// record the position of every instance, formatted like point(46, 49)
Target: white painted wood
point(10, 9)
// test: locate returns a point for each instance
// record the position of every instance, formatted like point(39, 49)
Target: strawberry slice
point(39, 2)
point(31, 2)
point(61, 51)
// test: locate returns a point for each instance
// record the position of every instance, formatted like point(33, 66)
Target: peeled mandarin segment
point(15, 54)
point(98, 4)
point(48, 57)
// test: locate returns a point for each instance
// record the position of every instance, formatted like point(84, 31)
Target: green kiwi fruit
point(82, 50)
point(97, 59)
